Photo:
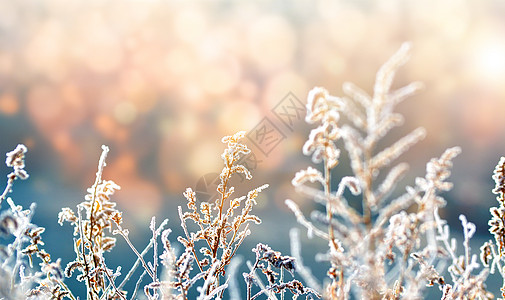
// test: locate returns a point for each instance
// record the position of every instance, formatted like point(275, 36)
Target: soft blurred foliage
point(161, 82)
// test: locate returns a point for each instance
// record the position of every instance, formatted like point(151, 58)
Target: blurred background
point(161, 82)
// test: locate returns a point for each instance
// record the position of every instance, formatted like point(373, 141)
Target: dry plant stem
point(215, 247)
point(189, 238)
point(91, 216)
point(183, 293)
point(342, 283)
point(295, 247)
point(111, 281)
point(405, 257)
point(327, 191)
point(263, 288)
point(135, 265)
point(219, 289)
point(83, 254)
point(239, 242)
point(8, 188)
point(368, 193)
point(251, 272)
point(70, 294)
point(111, 284)
point(282, 281)
point(155, 255)
point(300, 218)
point(329, 209)
point(60, 282)
point(496, 263)
point(207, 283)
point(137, 285)
point(98, 179)
point(146, 267)
point(448, 246)
point(408, 249)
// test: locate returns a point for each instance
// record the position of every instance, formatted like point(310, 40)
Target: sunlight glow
point(490, 61)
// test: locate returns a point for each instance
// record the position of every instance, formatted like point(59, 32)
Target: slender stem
point(137, 285)
point(183, 225)
point(239, 242)
point(196, 258)
point(368, 194)
point(402, 271)
point(136, 252)
point(225, 183)
point(281, 282)
point(8, 188)
point(183, 293)
point(342, 283)
point(135, 265)
point(83, 253)
point(408, 248)
point(92, 211)
point(223, 193)
point(98, 180)
point(249, 282)
point(111, 280)
point(329, 209)
point(65, 287)
point(155, 258)
point(235, 233)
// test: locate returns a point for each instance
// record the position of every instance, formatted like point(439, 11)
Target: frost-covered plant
point(220, 226)
point(388, 247)
point(218, 231)
point(91, 240)
point(15, 160)
point(19, 278)
point(492, 254)
point(268, 260)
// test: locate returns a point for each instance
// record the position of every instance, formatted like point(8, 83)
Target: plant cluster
point(386, 247)
point(380, 246)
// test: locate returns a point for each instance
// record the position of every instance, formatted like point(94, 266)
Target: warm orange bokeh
point(161, 82)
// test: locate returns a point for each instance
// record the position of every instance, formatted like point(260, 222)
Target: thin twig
point(111, 280)
point(258, 281)
point(183, 225)
point(144, 252)
point(137, 285)
point(305, 273)
point(329, 210)
point(83, 253)
point(121, 232)
point(8, 188)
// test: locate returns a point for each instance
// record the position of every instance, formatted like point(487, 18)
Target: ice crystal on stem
point(16, 160)
point(276, 284)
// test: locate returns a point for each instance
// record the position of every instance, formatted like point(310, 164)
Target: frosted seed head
point(15, 158)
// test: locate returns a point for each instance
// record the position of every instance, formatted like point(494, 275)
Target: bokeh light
point(490, 60)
